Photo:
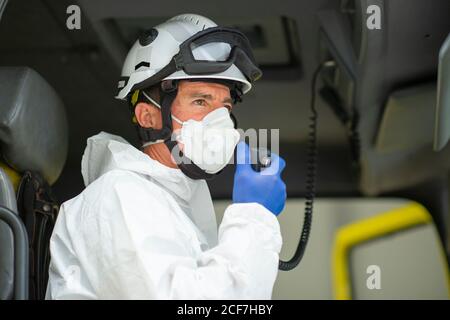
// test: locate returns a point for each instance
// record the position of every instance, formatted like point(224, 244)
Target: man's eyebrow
point(209, 97)
point(202, 95)
point(228, 100)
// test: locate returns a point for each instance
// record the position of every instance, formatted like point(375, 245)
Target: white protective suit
point(141, 230)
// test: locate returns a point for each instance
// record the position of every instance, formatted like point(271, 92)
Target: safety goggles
point(240, 54)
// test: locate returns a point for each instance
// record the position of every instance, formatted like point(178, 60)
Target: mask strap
point(151, 99)
point(176, 119)
point(159, 106)
point(149, 143)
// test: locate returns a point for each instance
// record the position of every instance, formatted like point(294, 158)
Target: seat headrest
point(33, 123)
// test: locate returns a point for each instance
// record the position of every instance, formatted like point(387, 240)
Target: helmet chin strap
point(186, 165)
point(152, 136)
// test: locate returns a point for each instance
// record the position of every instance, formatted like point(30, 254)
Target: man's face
point(196, 99)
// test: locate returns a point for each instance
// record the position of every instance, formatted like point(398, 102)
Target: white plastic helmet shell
point(142, 62)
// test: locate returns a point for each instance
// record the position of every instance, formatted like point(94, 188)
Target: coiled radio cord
point(310, 176)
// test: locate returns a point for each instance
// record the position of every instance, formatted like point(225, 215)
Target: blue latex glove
point(265, 187)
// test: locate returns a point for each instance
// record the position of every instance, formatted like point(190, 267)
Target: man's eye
point(200, 102)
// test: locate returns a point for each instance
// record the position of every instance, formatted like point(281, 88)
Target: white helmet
point(185, 47)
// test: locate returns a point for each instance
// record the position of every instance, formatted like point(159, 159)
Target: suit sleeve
point(142, 251)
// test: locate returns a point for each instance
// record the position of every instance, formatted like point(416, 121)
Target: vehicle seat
point(33, 137)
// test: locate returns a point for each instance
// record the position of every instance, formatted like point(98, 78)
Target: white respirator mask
point(208, 143)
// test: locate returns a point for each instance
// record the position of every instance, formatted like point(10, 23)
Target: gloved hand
point(265, 187)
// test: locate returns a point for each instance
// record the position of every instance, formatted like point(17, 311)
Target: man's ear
point(148, 116)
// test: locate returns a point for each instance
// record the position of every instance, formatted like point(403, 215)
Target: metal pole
point(3, 4)
point(20, 252)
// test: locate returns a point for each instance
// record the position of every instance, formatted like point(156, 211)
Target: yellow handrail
point(364, 230)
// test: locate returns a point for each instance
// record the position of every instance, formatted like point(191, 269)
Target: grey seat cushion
point(33, 123)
